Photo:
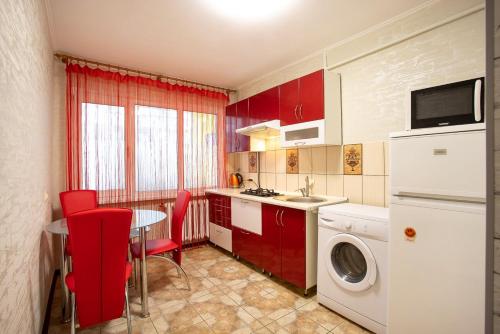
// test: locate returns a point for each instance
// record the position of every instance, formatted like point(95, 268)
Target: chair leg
point(73, 314)
point(136, 272)
point(177, 266)
point(131, 280)
point(127, 310)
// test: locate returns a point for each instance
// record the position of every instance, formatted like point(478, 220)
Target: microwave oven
point(455, 103)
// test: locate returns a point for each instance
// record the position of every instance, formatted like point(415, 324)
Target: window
point(200, 150)
point(155, 148)
point(103, 150)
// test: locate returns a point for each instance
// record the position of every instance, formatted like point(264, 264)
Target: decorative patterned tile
point(321, 315)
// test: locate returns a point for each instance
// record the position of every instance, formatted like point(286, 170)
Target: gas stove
point(261, 192)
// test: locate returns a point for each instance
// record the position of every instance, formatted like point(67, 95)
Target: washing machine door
point(350, 262)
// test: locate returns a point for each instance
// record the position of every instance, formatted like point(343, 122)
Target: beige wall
point(424, 48)
point(26, 264)
point(496, 269)
point(324, 165)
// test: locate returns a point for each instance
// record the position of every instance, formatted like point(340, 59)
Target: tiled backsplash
point(324, 165)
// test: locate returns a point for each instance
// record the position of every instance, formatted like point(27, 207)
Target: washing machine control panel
point(368, 228)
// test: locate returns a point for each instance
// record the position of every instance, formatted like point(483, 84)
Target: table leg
point(65, 292)
point(144, 275)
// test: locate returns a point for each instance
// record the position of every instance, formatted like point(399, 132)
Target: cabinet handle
point(300, 111)
point(281, 218)
point(295, 111)
point(299, 143)
point(277, 211)
point(243, 232)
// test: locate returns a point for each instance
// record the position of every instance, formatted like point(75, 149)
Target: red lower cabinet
point(284, 243)
point(293, 246)
point(271, 239)
point(247, 245)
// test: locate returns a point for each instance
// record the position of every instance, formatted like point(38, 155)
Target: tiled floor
point(226, 296)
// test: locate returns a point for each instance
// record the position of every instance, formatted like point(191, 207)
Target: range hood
point(261, 130)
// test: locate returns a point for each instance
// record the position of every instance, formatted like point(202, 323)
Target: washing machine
point(353, 262)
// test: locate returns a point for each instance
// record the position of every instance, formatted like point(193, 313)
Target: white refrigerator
point(437, 238)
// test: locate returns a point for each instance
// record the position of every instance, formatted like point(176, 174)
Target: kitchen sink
point(301, 199)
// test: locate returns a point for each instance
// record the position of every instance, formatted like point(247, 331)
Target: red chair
point(173, 246)
point(74, 201)
point(100, 268)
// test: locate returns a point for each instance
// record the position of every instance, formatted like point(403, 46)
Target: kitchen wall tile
point(280, 182)
point(334, 164)
point(335, 185)
point(263, 180)
point(373, 190)
point(373, 158)
point(319, 186)
point(263, 166)
point(230, 163)
point(292, 182)
point(270, 180)
point(302, 180)
point(387, 154)
point(280, 161)
point(243, 157)
point(253, 177)
point(318, 155)
point(305, 166)
point(353, 188)
point(270, 161)
point(387, 186)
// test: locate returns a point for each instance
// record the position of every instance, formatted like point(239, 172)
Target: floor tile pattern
point(227, 296)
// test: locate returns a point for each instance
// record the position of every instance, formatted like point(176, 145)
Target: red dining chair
point(100, 268)
point(73, 201)
point(173, 246)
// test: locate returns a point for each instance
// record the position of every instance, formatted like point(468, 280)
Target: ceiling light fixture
point(249, 10)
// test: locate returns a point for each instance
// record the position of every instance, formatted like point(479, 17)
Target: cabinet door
point(237, 240)
point(242, 142)
point(293, 247)
point(311, 97)
point(231, 117)
point(271, 239)
point(264, 106)
point(247, 245)
point(289, 101)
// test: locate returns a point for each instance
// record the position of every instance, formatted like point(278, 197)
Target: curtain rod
point(66, 58)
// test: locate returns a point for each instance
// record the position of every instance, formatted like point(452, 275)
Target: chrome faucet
point(306, 191)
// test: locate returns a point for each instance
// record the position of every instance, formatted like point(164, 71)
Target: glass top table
point(141, 219)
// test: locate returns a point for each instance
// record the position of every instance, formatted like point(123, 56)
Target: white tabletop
point(140, 218)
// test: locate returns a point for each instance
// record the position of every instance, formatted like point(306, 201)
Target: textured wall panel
point(25, 131)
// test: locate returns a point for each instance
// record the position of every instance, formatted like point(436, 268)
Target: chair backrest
point(99, 241)
point(180, 209)
point(77, 200)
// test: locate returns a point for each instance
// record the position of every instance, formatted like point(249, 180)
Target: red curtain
point(139, 140)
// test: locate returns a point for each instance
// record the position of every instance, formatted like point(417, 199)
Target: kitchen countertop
point(232, 192)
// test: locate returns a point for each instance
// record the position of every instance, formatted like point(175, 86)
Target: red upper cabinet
point(242, 142)
point(302, 100)
point(231, 118)
point(289, 102)
point(264, 106)
point(311, 97)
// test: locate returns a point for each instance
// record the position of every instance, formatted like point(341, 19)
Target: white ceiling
point(187, 39)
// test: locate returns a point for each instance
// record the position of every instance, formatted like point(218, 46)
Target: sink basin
point(301, 199)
